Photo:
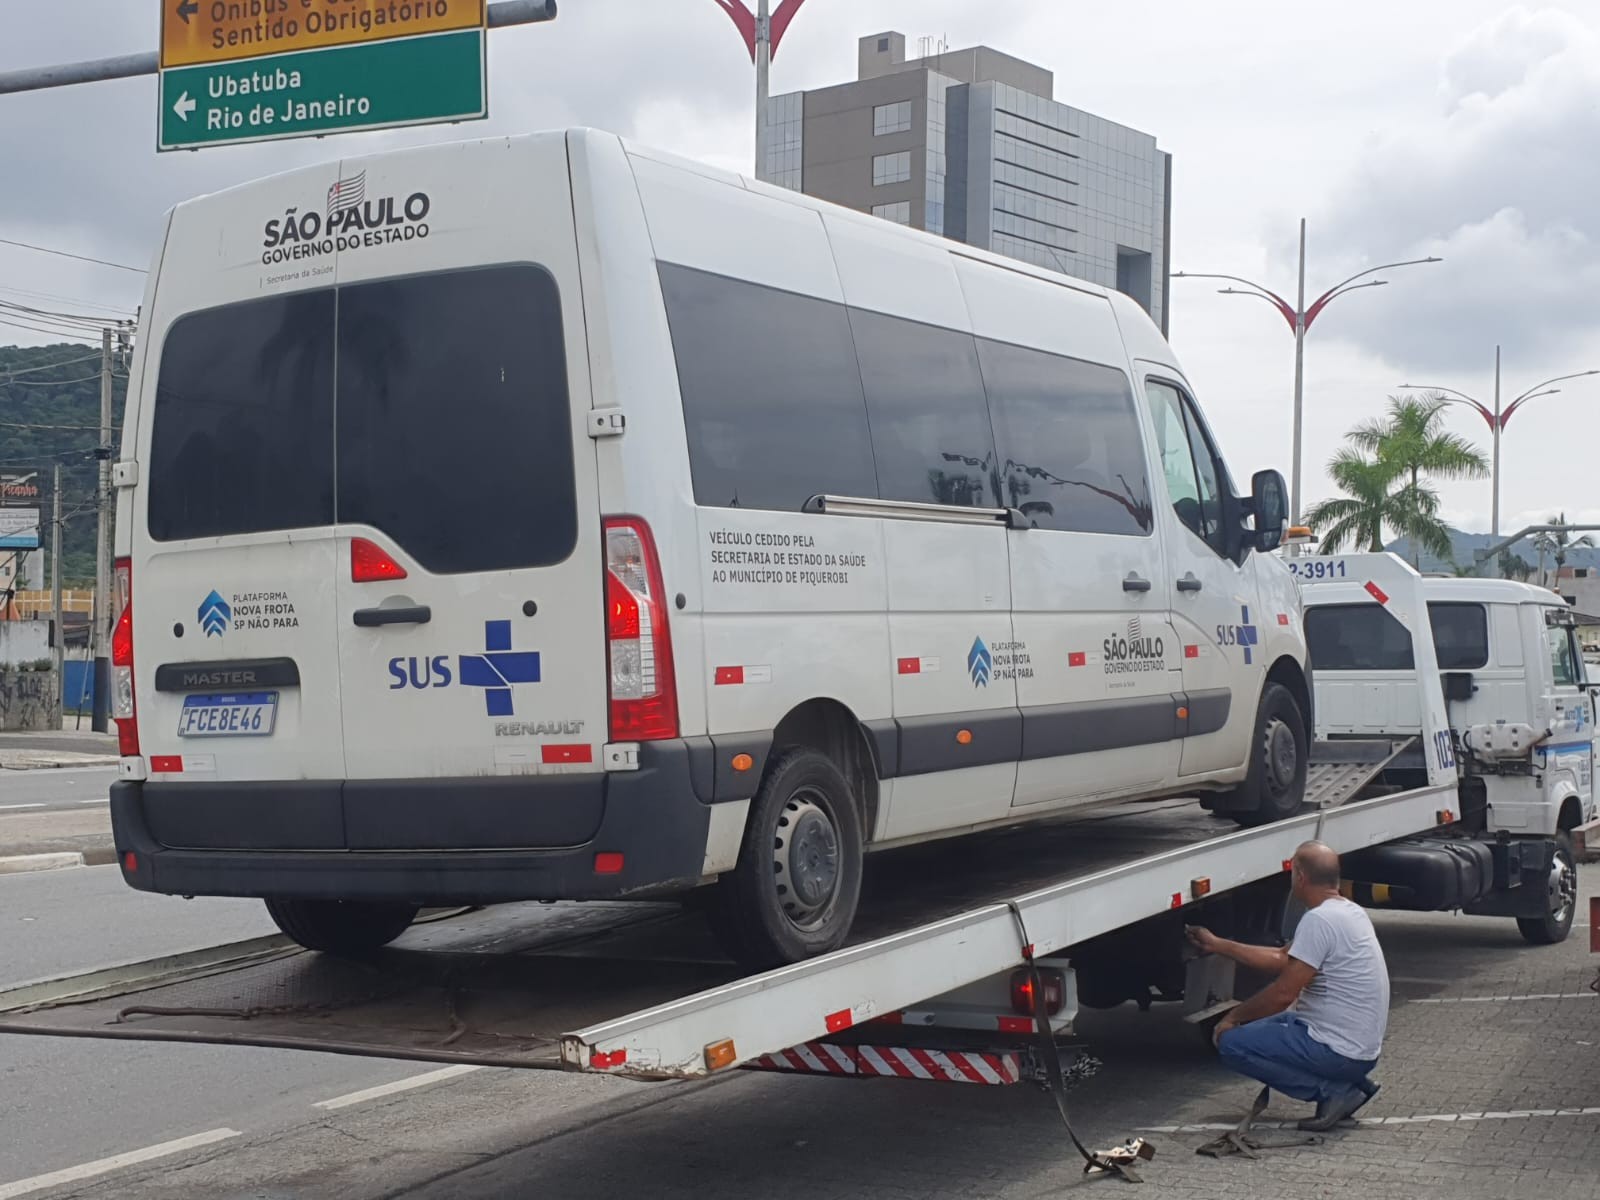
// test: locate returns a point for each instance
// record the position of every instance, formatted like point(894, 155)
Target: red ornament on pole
point(739, 13)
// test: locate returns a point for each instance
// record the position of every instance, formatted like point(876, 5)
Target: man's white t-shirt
point(1346, 1005)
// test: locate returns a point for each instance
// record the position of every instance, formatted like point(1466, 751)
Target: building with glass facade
point(971, 144)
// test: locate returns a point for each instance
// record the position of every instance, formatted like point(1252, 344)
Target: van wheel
point(1276, 784)
point(346, 927)
point(1561, 900)
point(793, 894)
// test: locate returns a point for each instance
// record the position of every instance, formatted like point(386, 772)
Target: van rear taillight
point(644, 696)
point(122, 708)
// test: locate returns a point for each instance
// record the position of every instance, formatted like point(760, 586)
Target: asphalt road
point(64, 1102)
point(1491, 1087)
point(62, 789)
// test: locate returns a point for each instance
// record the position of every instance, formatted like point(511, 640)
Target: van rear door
point(469, 582)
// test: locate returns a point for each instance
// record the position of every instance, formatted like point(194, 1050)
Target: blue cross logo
point(215, 615)
point(498, 667)
point(1247, 633)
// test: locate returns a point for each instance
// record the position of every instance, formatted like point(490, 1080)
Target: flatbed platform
point(632, 988)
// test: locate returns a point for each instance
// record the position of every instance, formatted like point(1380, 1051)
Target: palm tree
point(1556, 543)
point(1399, 449)
point(1412, 441)
point(1514, 566)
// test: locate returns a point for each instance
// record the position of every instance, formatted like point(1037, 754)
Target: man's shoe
point(1330, 1112)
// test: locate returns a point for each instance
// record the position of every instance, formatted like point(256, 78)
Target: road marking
point(15, 807)
point(1520, 1114)
point(1585, 995)
point(103, 1166)
point(389, 1089)
point(107, 800)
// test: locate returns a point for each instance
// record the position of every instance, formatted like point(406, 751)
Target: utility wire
point(38, 383)
point(65, 428)
point(66, 362)
point(80, 257)
point(120, 311)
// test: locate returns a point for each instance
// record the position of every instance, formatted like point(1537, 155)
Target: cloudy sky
point(1460, 128)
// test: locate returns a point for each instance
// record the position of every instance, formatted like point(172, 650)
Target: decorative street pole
point(762, 33)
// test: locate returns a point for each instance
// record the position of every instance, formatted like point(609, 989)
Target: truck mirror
point(1269, 502)
point(1458, 685)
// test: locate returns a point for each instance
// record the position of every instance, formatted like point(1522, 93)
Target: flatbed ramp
point(639, 990)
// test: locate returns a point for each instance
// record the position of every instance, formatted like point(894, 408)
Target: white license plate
point(246, 714)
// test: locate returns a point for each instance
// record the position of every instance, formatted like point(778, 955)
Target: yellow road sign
point(212, 31)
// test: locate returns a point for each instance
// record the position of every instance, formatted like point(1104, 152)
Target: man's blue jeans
point(1281, 1053)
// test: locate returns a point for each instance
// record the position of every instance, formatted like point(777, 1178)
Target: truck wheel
point(1561, 900)
point(793, 894)
point(1276, 784)
point(345, 927)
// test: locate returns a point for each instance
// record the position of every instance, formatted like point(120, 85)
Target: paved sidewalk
point(67, 748)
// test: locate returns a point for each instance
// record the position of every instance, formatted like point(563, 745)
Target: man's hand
point(1203, 938)
point(1223, 1026)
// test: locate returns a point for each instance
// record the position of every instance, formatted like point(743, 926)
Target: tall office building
point(970, 144)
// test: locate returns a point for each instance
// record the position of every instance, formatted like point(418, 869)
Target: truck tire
point(794, 892)
point(1562, 890)
point(343, 927)
point(1276, 784)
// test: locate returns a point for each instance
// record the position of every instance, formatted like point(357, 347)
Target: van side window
point(1563, 662)
point(1357, 637)
point(771, 393)
point(1460, 635)
point(931, 435)
point(1071, 454)
point(242, 437)
point(1189, 463)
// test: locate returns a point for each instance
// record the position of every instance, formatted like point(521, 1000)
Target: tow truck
point(1443, 789)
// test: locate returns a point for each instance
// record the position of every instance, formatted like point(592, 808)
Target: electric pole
point(58, 634)
point(99, 627)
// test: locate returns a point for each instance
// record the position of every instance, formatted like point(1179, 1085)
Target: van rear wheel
point(794, 892)
point(345, 927)
point(1276, 785)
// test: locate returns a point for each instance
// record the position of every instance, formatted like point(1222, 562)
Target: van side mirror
point(1270, 505)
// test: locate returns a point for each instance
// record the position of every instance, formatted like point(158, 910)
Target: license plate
point(246, 714)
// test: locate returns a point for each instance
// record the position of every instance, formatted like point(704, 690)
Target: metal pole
point(100, 720)
point(126, 66)
point(1494, 519)
point(1299, 377)
point(763, 71)
point(58, 635)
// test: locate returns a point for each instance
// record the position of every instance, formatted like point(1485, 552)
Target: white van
point(546, 518)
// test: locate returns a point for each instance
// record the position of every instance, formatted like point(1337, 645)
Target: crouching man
point(1316, 1031)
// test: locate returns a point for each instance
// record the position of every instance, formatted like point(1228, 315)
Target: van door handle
point(1189, 583)
point(371, 618)
point(1134, 583)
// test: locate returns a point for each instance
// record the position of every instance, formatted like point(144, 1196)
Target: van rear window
point(433, 408)
point(1356, 637)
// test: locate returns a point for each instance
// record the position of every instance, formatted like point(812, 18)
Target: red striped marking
point(568, 754)
point(964, 1064)
point(911, 666)
point(1283, 618)
point(1377, 593)
point(1077, 659)
point(167, 764)
point(1191, 651)
point(942, 1066)
point(839, 1020)
point(727, 675)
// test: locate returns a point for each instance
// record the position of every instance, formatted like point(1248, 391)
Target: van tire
point(794, 891)
point(1276, 785)
point(344, 927)
point(1554, 925)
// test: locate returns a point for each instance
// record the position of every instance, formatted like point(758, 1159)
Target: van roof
point(1488, 591)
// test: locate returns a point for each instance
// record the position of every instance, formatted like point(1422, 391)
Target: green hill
point(50, 414)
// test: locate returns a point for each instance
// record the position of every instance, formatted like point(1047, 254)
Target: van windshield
point(433, 408)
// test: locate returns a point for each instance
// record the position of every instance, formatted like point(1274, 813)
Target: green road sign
point(376, 85)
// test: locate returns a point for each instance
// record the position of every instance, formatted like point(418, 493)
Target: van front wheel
point(345, 927)
point(1276, 784)
point(794, 892)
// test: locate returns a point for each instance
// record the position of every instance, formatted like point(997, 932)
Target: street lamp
point(1300, 318)
point(1497, 418)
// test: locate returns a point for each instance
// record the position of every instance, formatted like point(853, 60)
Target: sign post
point(261, 70)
